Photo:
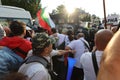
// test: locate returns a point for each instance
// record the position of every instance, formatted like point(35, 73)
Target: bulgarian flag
point(44, 19)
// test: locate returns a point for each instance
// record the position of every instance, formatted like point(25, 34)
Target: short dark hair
point(53, 30)
point(40, 29)
point(17, 28)
point(69, 32)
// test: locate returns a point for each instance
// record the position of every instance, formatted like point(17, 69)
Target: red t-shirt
point(17, 42)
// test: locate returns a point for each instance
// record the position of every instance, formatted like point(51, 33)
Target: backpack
point(45, 63)
point(94, 61)
point(61, 47)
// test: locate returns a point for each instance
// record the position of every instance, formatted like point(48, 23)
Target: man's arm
point(60, 52)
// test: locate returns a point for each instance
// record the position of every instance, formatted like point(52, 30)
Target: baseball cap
point(41, 41)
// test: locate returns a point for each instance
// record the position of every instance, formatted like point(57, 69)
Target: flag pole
point(105, 21)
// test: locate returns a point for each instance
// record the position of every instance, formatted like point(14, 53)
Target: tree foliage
point(76, 16)
point(31, 5)
point(61, 9)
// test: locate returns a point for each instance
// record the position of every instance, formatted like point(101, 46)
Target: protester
point(54, 36)
point(39, 30)
point(102, 37)
point(42, 47)
point(11, 47)
point(86, 44)
point(58, 61)
point(79, 46)
point(16, 41)
point(70, 38)
point(29, 33)
point(91, 36)
point(110, 63)
point(70, 35)
point(62, 39)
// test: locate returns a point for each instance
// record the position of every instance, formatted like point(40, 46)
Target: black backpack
point(61, 47)
point(45, 63)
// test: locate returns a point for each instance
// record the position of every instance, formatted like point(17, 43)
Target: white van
point(10, 13)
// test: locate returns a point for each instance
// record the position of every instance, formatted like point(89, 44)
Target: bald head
point(102, 37)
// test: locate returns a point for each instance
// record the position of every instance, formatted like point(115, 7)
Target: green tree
point(76, 15)
point(31, 5)
point(87, 17)
point(62, 11)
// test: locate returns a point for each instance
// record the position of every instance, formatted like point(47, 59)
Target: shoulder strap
point(64, 37)
point(62, 45)
point(17, 49)
point(38, 59)
point(85, 44)
point(95, 63)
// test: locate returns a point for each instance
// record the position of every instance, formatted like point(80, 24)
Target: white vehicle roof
point(13, 12)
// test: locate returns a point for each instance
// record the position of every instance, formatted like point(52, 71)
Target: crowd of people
point(31, 54)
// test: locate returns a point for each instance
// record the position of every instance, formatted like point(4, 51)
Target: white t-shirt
point(87, 64)
point(79, 47)
point(35, 71)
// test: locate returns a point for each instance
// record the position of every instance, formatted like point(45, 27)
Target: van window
point(5, 21)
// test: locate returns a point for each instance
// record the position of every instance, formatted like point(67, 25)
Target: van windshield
point(5, 21)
